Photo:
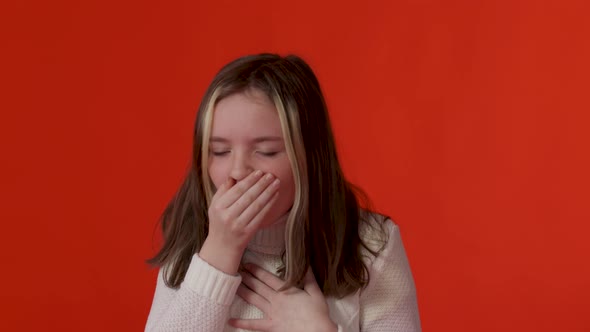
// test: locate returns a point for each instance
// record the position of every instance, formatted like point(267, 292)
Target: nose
point(240, 167)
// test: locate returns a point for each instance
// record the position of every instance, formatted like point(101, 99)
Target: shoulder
point(376, 230)
point(382, 241)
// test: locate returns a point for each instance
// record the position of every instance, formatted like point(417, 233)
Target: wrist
point(223, 258)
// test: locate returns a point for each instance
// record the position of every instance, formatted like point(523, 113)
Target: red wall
point(466, 121)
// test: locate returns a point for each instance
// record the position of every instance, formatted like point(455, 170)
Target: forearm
point(190, 312)
point(200, 304)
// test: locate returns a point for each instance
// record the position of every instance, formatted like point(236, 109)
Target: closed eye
point(268, 154)
point(219, 153)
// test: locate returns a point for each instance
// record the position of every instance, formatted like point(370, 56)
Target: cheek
point(287, 193)
point(217, 173)
point(287, 189)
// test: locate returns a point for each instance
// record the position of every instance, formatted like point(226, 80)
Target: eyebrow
point(255, 140)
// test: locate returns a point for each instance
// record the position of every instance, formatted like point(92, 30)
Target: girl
point(265, 233)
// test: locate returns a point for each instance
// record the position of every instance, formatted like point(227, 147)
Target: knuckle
point(224, 216)
point(215, 205)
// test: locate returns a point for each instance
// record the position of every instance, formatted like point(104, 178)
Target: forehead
point(247, 114)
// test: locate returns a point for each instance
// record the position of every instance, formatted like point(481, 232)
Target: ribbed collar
point(271, 239)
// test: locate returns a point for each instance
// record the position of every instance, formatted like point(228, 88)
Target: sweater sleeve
point(201, 303)
point(388, 303)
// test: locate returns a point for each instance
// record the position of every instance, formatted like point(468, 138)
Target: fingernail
point(268, 176)
point(258, 173)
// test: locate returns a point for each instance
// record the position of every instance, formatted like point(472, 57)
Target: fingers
point(224, 187)
point(224, 199)
point(310, 285)
point(238, 209)
point(253, 298)
point(251, 324)
point(260, 214)
point(255, 199)
point(259, 277)
point(257, 286)
point(246, 199)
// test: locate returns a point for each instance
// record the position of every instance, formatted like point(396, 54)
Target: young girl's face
point(246, 136)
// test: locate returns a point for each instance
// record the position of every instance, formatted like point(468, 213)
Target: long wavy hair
point(322, 229)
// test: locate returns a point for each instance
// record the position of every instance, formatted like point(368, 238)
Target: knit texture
point(207, 297)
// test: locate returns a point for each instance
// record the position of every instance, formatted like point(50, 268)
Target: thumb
point(225, 186)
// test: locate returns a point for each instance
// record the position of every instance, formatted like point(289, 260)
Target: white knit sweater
point(207, 297)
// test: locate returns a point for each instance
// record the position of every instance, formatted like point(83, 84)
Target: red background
point(466, 121)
